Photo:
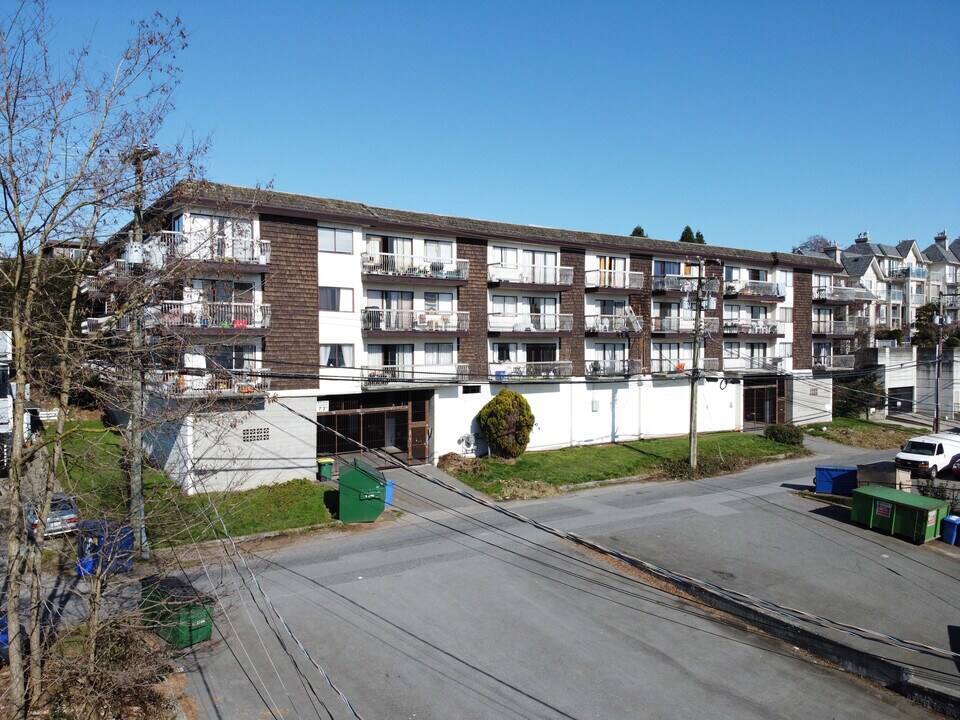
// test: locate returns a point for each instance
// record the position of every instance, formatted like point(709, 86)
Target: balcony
point(917, 299)
point(841, 295)
point(377, 376)
point(833, 362)
point(834, 327)
point(669, 365)
point(376, 320)
point(951, 302)
point(530, 323)
point(755, 289)
point(893, 295)
point(889, 324)
point(613, 280)
point(190, 382)
point(766, 364)
point(210, 315)
point(712, 364)
point(681, 325)
point(752, 327)
point(204, 247)
point(612, 324)
point(612, 368)
point(530, 275)
point(525, 371)
point(674, 283)
point(908, 272)
point(414, 266)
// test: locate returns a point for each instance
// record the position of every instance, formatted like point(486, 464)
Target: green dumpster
point(176, 611)
point(914, 517)
point(362, 492)
point(325, 468)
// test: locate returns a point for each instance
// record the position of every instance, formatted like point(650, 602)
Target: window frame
point(337, 233)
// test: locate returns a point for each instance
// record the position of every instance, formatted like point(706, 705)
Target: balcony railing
point(753, 327)
point(612, 323)
point(535, 322)
point(834, 327)
point(770, 364)
point(669, 365)
point(950, 301)
point(414, 266)
point(617, 279)
point(203, 246)
point(833, 361)
point(612, 368)
point(894, 295)
point(710, 363)
point(418, 320)
point(889, 324)
point(522, 371)
point(238, 316)
point(842, 294)
point(682, 325)
point(754, 287)
point(195, 382)
point(909, 272)
point(531, 274)
point(379, 375)
point(678, 283)
point(917, 298)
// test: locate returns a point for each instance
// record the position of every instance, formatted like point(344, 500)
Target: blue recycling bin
point(388, 495)
point(104, 544)
point(949, 529)
point(836, 479)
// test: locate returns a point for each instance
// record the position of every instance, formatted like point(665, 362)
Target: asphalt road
point(463, 613)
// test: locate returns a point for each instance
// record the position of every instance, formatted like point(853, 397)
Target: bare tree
point(67, 127)
point(815, 244)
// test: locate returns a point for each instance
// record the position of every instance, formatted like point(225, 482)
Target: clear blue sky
point(759, 123)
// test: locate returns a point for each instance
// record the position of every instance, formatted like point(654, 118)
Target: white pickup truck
point(930, 455)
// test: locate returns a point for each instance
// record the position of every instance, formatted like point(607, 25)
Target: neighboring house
point(393, 328)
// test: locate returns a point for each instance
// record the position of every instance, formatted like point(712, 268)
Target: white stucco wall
point(809, 398)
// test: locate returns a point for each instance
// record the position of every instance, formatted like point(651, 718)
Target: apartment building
point(392, 328)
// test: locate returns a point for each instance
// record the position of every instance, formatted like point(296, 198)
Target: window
point(731, 313)
point(438, 353)
point(504, 352)
point(505, 257)
point(227, 291)
point(336, 355)
point(612, 307)
point(438, 249)
point(821, 280)
point(785, 277)
point(784, 349)
point(731, 273)
point(666, 267)
point(230, 357)
point(541, 352)
point(335, 240)
point(471, 389)
point(784, 314)
point(400, 356)
point(336, 299)
point(758, 312)
point(610, 352)
point(731, 350)
point(757, 275)
point(390, 299)
point(504, 305)
point(438, 302)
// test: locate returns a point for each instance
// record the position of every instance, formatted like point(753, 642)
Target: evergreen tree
point(698, 238)
point(638, 231)
point(687, 235)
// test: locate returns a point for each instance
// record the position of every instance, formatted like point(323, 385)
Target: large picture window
point(335, 240)
point(336, 355)
point(336, 299)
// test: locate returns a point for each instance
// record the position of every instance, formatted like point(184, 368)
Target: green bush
point(506, 422)
point(784, 434)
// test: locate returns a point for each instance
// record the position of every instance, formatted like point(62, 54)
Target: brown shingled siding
point(473, 299)
point(290, 288)
point(640, 302)
point(572, 301)
point(713, 342)
point(802, 320)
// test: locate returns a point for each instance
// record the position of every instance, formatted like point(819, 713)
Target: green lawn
point(92, 455)
point(863, 433)
point(539, 473)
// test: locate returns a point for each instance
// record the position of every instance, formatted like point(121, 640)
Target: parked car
point(63, 517)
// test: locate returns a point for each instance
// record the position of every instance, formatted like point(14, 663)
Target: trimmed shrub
point(784, 434)
point(506, 422)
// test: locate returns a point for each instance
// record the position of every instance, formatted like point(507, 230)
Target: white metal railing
point(669, 365)
point(376, 375)
point(754, 287)
point(116, 268)
point(414, 266)
point(204, 246)
point(183, 313)
point(833, 361)
point(752, 327)
point(419, 320)
point(680, 283)
point(842, 294)
point(834, 327)
point(531, 322)
point(682, 325)
point(622, 279)
point(190, 381)
point(612, 323)
point(520, 371)
point(532, 274)
point(768, 363)
point(612, 368)
point(950, 301)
